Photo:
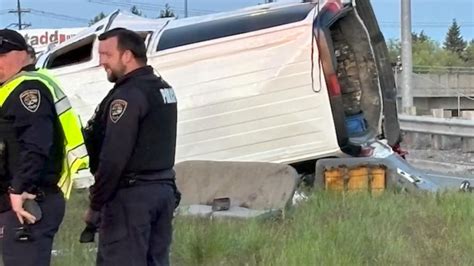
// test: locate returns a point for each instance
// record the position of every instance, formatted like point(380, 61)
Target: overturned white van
point(285, 83)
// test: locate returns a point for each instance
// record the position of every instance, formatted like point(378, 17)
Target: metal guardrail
point(437, 126)
point(443, 69)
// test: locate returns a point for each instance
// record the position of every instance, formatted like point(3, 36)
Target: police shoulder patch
point(117, 109)
point(31, 100)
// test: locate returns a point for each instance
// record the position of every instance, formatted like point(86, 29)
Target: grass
point(329, 229)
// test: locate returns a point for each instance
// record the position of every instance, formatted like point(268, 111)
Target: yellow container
point(334, 179)
point(378, 182)
point(358, 179)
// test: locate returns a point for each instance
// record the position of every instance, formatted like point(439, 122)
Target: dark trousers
point(136, 227)
point(3, 216)
point(38, 251)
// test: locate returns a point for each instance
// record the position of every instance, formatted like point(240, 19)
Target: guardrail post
point(416, 140)
point(440, 142)
point(467, 143)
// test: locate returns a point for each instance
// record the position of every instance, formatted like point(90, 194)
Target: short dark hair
point(31, 52)
point(127, 40)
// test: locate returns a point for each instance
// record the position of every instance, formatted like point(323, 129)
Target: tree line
point(454, 52)
point(166, 12)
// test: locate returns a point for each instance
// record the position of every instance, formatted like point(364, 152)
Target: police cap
point(11, 40)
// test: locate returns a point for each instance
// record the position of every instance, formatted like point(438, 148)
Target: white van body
point(250, 83)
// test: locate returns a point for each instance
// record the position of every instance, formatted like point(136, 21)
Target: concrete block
point(467, 115)
point(253, 185)
point(416, 140)
point(444, 142)
point(409, 110)
point(467, 145)
point(441, 113)
point(204, 211)
point(242, 213)
point(440, 142)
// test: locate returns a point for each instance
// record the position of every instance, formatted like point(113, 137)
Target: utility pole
point(407, 63)
point(19, 11)
point(185, 8)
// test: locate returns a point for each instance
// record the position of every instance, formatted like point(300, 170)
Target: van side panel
point(250, 97)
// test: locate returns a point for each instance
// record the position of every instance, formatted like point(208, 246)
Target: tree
point(99, 16)
point(425, 52)
point(454, 41)
point(421, 37)
point(136, 11)
point(394, 49)
point(469, 54)
point(167, 12)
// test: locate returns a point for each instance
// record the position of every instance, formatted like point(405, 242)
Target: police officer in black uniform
point(31, 139)
point(131, 142)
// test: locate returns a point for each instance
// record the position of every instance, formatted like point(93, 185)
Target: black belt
point(5, 202)
point(49, 189)
point(165, 176)
point(42, 191)
point(130, 182)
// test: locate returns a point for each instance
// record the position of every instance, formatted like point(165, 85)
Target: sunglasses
point(3, 40)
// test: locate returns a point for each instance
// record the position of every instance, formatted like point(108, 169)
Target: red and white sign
point(40, 39)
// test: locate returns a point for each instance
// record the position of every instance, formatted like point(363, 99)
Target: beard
point(115, 73)
point(112, 77)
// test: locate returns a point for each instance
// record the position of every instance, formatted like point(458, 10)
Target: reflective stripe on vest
point(75, 153)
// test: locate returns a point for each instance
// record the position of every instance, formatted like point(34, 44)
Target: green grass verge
point(329, 229)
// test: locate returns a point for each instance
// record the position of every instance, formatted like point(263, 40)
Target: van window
point(75, 53)
point(205, 31)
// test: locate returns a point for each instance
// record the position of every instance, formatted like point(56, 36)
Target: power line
point(427, 24)
point(151, 7)
point(57, 16)
point(175, 7)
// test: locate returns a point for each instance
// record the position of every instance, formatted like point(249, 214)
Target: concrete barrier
point(467, 143)
point(251, 185)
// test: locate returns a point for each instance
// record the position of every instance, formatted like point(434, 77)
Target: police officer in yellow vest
point(41, 147)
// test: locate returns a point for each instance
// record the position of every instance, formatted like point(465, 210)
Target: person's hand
point(92, 217)
point(17, 201)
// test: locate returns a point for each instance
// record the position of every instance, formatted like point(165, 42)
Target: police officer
point(31, 59)
point(39, 152)
point(131, 140)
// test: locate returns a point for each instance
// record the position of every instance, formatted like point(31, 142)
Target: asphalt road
point(444, 168)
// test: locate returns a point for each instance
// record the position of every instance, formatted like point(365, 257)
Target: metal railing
point(442, 69)
point(459, 96)
point(437, 126)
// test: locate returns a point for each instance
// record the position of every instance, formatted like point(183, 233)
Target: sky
point(433, 17)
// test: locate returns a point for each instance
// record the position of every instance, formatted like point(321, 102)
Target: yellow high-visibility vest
point(75, 153)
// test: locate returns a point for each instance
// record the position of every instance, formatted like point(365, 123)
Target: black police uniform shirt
point(140, 116)
point(35, 155)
